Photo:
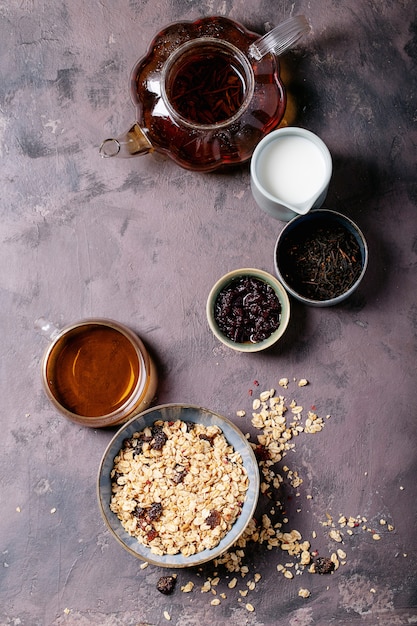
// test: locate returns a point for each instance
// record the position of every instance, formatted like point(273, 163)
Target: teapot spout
point(132, 143)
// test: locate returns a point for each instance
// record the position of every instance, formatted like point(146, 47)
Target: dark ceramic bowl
point(321, 257)
point(187, 413)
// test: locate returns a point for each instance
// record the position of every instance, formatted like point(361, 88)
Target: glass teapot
point(207, 92)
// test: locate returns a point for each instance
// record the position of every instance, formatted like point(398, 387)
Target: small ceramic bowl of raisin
point(248, 310)
point(321, 257)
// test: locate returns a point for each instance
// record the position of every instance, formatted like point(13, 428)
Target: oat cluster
point(178, 487)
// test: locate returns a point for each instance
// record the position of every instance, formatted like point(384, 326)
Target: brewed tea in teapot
point(207, 92)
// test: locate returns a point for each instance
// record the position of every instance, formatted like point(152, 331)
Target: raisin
point(159, 438)
point(154, 512)
point(247, 310)
point(135, 443)
point(139, 512)
point(166, 584)
point(208, 438)
point(262, 453)
point(138, 449)
point(213, 519)
point(323, 565)
point(180, 473)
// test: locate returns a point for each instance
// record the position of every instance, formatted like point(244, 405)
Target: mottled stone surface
point(142, 241)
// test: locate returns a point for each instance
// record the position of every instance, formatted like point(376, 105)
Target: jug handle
point(132, 143)
point(46, 328)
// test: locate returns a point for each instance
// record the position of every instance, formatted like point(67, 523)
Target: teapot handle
point(131, 143)
point(280, 38)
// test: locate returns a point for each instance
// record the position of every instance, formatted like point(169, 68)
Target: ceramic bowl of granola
point(248, 310)
point(178, 485)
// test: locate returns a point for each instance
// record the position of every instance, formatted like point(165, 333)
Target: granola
point(178, 487)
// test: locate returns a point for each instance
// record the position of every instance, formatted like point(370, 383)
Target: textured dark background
point(142, 241)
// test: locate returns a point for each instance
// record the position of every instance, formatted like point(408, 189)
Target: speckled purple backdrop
point(142, 241)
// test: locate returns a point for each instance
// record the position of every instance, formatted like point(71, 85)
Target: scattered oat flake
point(382, 522)
point(335, 535)
point(264, 396)
point(53, 510)
point(241, 413)
point(283, 382)
point(18, 509)
point(376, 536)
point(167, 616)
point(232, 584)
point(144, 565)
point(67, 611)
point(304, 593)
point(250, 607)
point(188, 587)
point(302, 382)
point(390, 527)
point(305, 557)
point(334, 560)
point(215, 602)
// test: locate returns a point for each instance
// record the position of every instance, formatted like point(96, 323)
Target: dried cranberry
point(151, 535)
